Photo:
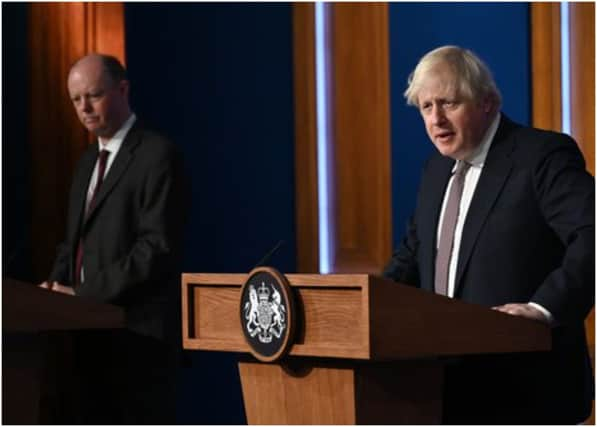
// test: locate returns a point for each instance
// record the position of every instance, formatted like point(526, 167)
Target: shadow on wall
point(16, 239)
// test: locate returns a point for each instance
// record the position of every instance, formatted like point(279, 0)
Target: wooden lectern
point(28, 312)
point(367, 350)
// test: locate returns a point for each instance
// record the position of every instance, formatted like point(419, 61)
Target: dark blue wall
point(217, 79)
point(16, 189)
point(497, 32)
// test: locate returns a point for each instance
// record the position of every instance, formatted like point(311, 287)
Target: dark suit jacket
point(528, 236)
point(132, 237)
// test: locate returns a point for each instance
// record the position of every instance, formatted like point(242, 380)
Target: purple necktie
point(446, 237)
point(101, 169)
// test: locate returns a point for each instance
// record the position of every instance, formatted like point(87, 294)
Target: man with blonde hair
point(504, 218)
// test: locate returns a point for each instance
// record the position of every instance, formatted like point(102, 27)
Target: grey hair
point(473, 78)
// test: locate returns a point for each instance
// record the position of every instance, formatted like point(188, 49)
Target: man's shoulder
point(533, 138)
point(536, 148)
point(147, 141)
point(528, 146)
point(146, 133)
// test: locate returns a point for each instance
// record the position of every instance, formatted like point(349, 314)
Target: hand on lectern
point(57, 287)
point(524, 310)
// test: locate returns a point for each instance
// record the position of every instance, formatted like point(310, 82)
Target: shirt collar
point(477, 158)
point(113, 145)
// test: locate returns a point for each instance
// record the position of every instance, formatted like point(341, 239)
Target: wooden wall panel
point(361, 150)
point(305, 130)
point(105, 29)
point(359, 135)
point(545, 51)
point(582, 71)
point(59, 33)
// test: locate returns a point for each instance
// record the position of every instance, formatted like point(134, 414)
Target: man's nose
point(437, 115)
point(85, 104)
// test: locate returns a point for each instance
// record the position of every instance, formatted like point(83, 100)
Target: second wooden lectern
point(366, 350)
point(28, 313)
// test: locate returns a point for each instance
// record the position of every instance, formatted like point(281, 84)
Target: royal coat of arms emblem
point(265, 313)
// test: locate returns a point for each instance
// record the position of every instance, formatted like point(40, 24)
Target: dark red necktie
point(101, 169)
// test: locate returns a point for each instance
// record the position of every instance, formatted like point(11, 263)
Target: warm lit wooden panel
point(56, 137)
point(314, 395)
point(582, 78)
point(545, 49)
point(59, 33)
point(309, 392)
point(334, 308)
point(305, 130)
point(217, 313)
point(359, 136)
point(105, 29)
point(361, 149)
point(335, 321)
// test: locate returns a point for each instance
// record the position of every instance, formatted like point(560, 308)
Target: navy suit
point(132, 245)
point(528, 236)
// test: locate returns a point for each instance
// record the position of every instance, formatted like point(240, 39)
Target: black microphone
point(269, 254)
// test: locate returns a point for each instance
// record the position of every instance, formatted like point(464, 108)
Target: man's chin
point(446, 150)
point(96, 130)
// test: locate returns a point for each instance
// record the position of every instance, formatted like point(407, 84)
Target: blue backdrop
point(217, 79)
point(497, 32)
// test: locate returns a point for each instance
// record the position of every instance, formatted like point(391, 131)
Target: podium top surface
point(358, 316)
point(28, 308)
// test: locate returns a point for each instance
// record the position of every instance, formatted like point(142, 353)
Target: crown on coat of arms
point(263, 292)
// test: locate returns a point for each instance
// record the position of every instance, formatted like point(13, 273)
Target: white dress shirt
point(477, 161)
point(113, 146)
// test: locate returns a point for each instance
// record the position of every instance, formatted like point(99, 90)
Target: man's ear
point(488, 104)
point(124, 87)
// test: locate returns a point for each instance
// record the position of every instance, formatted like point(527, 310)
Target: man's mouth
point(444, 136)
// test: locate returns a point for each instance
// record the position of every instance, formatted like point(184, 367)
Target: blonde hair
point(472, 77)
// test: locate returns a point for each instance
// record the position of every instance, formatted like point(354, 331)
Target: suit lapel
point(117, 170)
point(496, 171)
point(431, 204)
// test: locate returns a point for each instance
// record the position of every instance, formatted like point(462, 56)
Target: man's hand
point(57, 287)
point(46, 285)
point(523, 310)
point(68, 290)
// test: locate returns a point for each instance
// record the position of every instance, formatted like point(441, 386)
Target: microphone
point(269, 254)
